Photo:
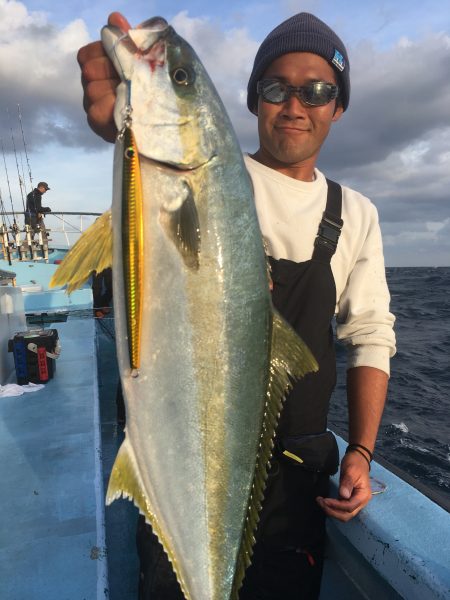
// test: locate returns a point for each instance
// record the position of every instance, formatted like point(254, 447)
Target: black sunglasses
point(317, 93)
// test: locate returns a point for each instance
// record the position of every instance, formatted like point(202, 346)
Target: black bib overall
point(288, 558)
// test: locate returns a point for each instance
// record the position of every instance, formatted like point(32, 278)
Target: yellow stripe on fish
point(132, 244)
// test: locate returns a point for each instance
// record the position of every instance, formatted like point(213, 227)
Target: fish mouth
point(145, 40)
point(156, 24)
point(148, 33)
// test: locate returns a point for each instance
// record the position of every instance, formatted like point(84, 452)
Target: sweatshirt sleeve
point(364, 322)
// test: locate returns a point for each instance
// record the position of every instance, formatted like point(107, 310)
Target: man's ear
point(338, 112)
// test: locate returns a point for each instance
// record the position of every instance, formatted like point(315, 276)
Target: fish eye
point(129, 152)
point(183, 76)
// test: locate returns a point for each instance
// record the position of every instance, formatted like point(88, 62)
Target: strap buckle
point(329, 231)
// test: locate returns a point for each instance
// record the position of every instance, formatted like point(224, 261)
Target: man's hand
point(366, 391)
point(354, 489)
point(99, 80)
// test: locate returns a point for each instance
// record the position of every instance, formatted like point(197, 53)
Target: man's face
point(292, 133)
point(42, 189)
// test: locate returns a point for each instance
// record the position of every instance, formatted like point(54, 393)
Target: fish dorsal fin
point(181, 222)
point(126, 481)
point(290, 359)
point(92, 252)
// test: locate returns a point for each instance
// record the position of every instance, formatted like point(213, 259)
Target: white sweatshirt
point(289, 213)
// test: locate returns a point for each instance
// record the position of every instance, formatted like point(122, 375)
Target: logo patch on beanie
point(338, 60)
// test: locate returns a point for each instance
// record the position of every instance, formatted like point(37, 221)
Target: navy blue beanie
point(302, 33)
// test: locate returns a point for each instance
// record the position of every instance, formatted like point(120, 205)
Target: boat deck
point(58, 445)
point(51, 531)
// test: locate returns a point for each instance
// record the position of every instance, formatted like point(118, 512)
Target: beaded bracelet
point(356, 448)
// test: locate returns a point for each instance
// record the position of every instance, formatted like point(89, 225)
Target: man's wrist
point(362, 450)
point(361, 447)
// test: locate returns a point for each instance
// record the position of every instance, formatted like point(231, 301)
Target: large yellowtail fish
point(204, 360)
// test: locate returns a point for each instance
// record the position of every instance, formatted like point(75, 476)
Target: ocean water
point(415, 430)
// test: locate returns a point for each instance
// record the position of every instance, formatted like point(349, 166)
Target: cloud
point(408, 183)
point(393, 144)
point(14, 16)
point(39, 72)
point(416, 243)
point(398, 96)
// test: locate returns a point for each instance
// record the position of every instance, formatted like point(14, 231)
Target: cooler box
point(35, 352)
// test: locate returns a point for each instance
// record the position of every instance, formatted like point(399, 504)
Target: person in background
point(325, 250)
point(34, 215)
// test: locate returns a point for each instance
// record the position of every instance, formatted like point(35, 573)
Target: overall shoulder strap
point(330, 226)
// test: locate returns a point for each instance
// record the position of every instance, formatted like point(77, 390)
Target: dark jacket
point(34, 202)
point(34, 209)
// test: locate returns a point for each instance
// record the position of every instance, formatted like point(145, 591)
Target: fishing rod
point(9, 185)
point(5, 228)
point(4, 233)
point(21, 184)
point(25, 146)
point(22, 169)
point(27, 227)
point(41, 235)
point(40, 226)
point(5, 217)
point(15, 227)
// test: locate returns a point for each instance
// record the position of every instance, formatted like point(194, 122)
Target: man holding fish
point(325, 254)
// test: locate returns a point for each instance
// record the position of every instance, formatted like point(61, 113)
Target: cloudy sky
point(393, 144)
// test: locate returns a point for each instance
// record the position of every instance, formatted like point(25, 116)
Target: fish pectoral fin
point(179, 218)
point(290, 359)
point(92, 252)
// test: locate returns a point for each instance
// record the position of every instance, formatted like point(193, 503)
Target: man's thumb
point(345, 488)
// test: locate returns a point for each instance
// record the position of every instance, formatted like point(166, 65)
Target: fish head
point(167, 93)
